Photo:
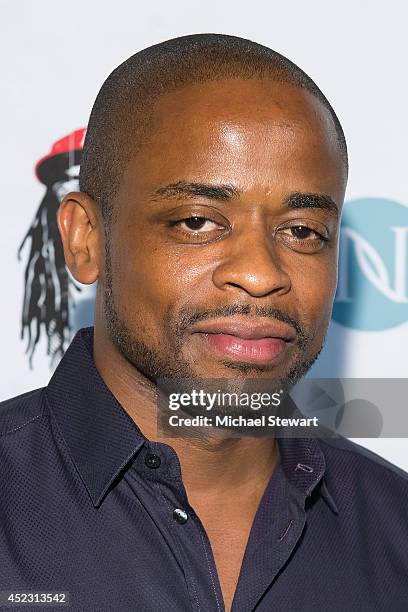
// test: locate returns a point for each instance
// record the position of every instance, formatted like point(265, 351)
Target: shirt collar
point(102, 438)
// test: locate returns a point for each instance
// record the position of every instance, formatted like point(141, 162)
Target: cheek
point(152, 282)
point(314, 287)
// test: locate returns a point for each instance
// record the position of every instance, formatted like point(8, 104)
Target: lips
point(248, 341)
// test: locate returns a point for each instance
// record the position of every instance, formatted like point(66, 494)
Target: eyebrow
point(226, 193)
point(312, 200)
point(222, 193)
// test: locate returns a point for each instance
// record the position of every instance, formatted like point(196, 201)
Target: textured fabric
point(82, 510)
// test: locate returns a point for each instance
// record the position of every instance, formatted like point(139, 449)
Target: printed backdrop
point(54, 60)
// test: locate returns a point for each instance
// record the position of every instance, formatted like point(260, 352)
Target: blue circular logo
point(372, 288)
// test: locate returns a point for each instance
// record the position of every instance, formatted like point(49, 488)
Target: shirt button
point(180, 516)
point(152, 461)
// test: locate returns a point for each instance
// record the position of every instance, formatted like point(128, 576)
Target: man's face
point(223, 255)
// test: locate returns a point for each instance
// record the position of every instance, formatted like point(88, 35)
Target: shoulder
point(17, 414)
point(360, 477)
point(357, 456)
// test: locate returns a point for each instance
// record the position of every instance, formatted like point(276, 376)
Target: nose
point(252, 264)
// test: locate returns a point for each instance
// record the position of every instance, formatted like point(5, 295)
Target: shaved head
point(123, 113)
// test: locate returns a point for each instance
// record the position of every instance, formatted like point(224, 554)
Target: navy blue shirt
point(89, 506)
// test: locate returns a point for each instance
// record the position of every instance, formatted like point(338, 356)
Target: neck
point(210, 466)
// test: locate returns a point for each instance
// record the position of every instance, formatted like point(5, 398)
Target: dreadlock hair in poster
point(47, 284)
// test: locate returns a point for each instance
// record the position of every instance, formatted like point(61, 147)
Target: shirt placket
point(157, 481)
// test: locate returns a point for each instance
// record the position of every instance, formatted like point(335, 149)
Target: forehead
point(246, 131)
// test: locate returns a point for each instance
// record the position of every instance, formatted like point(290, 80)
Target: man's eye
point(197, 229)
point(197, 224)
point(303, 238)
point(302, 232)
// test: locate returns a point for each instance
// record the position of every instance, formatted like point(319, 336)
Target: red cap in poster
point(71, 142)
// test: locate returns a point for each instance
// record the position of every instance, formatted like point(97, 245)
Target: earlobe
point(79, 229)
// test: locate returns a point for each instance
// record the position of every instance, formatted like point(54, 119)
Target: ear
point(81, 234)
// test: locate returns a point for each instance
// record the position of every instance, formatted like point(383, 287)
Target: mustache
point(187, 317)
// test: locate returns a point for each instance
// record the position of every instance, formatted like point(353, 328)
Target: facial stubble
point(156, 367)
